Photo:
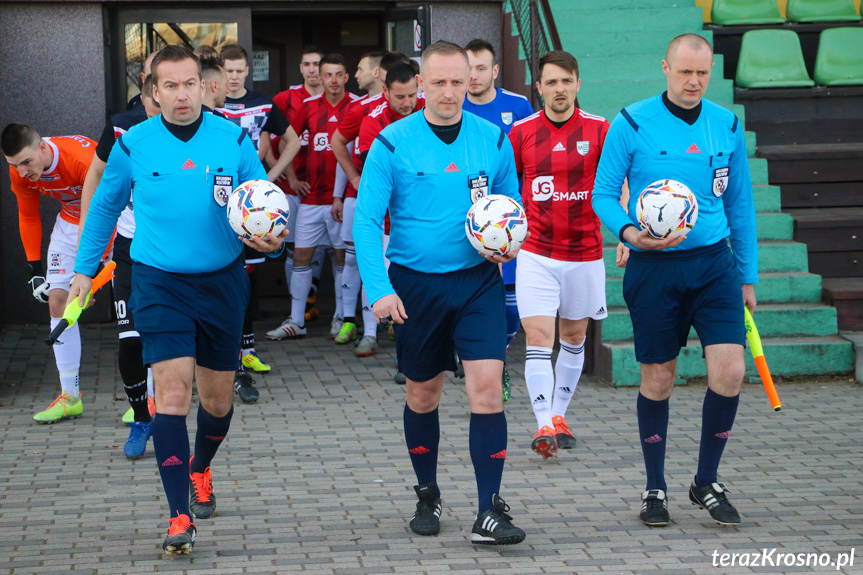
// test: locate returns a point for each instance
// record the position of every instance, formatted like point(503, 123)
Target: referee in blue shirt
point(427, 170)
point(674, 284)
point(189, 288)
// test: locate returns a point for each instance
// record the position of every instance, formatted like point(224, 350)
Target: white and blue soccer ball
point(666, 209)
point(496, 224)
point(258, 207)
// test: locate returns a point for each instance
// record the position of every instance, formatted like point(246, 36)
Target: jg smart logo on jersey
point(321, 142)
point(542, 188)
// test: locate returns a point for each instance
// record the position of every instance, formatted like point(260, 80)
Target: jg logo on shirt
point(322, 142)
point(542, 188)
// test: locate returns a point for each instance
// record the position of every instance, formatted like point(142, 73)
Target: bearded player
point(560, 269)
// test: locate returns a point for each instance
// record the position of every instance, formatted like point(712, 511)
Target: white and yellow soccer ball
point(258, 207)
point(666, 209)
point(496, 224)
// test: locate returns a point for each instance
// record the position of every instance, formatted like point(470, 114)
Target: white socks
point(370, 325)
point(350, 282)
point(340, 302)
point(539, 376)
point(301, 283)
point(67, 354)
point(567, 371)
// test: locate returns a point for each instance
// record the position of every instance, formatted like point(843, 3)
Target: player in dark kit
point(560, 270)
point(137, 379)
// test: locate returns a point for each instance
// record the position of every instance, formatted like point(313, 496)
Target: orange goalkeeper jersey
point(63, 180)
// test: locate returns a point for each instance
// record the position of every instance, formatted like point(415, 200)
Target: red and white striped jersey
point(558, 166)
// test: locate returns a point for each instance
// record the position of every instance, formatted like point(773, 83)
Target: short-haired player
point(560, 269)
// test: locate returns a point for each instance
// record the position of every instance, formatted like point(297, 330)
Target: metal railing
point(537, 34)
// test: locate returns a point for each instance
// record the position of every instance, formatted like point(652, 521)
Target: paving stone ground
point(315, 477)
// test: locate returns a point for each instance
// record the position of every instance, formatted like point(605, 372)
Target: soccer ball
point(495, 225)
point(258, 207)
point(667, 208)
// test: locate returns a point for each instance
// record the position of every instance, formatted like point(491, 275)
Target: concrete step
point(774, 226)
point(795, 287)
point(620, 42)
point(793, 356)
point(644, 20)
point(773, 320)
point(562, 6)
point(750, 143)
point(767, 198)
point(619, 94)
point(773, 257)
point(611, 112)
point(628, 68)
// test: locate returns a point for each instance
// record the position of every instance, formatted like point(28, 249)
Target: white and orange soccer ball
point(258, 207)
point(666, 209)
point(496, 224)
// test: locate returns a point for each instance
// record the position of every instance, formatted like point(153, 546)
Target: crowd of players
point(320, 144)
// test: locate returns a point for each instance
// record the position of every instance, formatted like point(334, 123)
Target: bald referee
point(674, 284)
point(440, 293)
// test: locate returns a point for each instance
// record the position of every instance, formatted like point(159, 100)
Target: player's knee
point(217, 406)
point(577, 338)
point(728, 378)
point(657, 379)
point(538, 335)
point(422, 398)
point(57, 302)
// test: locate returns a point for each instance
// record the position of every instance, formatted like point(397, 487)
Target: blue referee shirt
point(646, 143)
point(506, 109)
point(181, 189)
point(428, 187)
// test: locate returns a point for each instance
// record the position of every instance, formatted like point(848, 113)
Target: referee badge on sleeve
point(222, 186)
point(720, 181)
point(478, 186)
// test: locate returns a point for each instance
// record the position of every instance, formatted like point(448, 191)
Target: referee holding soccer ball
point(673, 284)
point(428, 169)
point(189, 288)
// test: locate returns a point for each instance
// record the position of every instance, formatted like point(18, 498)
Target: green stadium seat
point(821, 11)
point(840, 57)
point(742, 12)
point(771, 59)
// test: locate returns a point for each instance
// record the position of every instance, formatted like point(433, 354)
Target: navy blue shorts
point(669, 292)
point(462, 310)
point(191, 315)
